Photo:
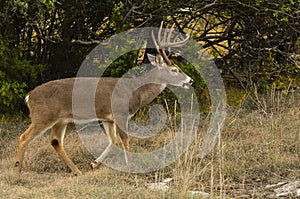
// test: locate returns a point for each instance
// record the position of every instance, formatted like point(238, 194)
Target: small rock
point(167, 180)
point(291, 188)
point(200, 193)
point(159, 186)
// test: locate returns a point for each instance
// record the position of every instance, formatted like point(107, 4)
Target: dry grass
point(258, 147)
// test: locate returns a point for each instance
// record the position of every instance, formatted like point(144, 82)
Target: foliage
point(255, 43)
point(14, 75)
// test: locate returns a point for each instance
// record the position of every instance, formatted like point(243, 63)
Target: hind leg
point(30, 134)
point(56, 140)
point(124, 137)
point(125, 142)
point(122, 129)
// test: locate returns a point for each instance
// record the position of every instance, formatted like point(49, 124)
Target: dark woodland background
point(255, 43)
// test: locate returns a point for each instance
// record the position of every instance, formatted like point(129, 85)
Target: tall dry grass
point(259, 145)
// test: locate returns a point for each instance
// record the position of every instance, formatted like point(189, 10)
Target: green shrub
point(15, 74)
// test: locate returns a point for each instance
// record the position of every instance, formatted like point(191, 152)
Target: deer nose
point(191, 81)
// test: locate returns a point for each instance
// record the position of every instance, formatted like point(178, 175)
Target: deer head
point(166, 70)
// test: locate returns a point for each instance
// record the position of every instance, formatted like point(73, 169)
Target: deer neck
point(151, 77)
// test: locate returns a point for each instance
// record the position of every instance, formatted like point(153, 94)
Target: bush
point(15, 74)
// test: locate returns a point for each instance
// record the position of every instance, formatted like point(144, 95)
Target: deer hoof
point(17, 169)
point(77, 173)
point(94, 165)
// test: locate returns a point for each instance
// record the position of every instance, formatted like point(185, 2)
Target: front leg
point(110, 131)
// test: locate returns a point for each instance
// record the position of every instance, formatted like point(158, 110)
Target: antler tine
point(164, 41)
point(159, 34)
point(170, 33)
point(155, 43)
point(162, 52)
point(180, 43)
point(174, 41)
point(165, 38)
point(169, 37)
point(159, 44)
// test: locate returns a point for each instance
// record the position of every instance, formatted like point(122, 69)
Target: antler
point(165, 42)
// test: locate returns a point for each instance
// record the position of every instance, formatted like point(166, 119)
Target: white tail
point(51, 104)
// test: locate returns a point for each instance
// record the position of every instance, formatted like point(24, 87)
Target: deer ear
point(152, 59)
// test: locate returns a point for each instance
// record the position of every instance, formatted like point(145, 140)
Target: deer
point(50, 104)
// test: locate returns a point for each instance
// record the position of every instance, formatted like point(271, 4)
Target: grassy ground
point(258, 147)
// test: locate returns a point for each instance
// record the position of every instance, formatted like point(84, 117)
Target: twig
point(88, 42)
point(133, 9)
point(206, 7)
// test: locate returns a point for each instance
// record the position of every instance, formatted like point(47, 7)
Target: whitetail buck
point(50, 104)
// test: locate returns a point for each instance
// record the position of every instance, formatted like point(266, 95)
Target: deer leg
point(56, 140)
point(110, 131)
point(124, 138)
point(32, 132)
point(124, 141)
point(122, 129)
